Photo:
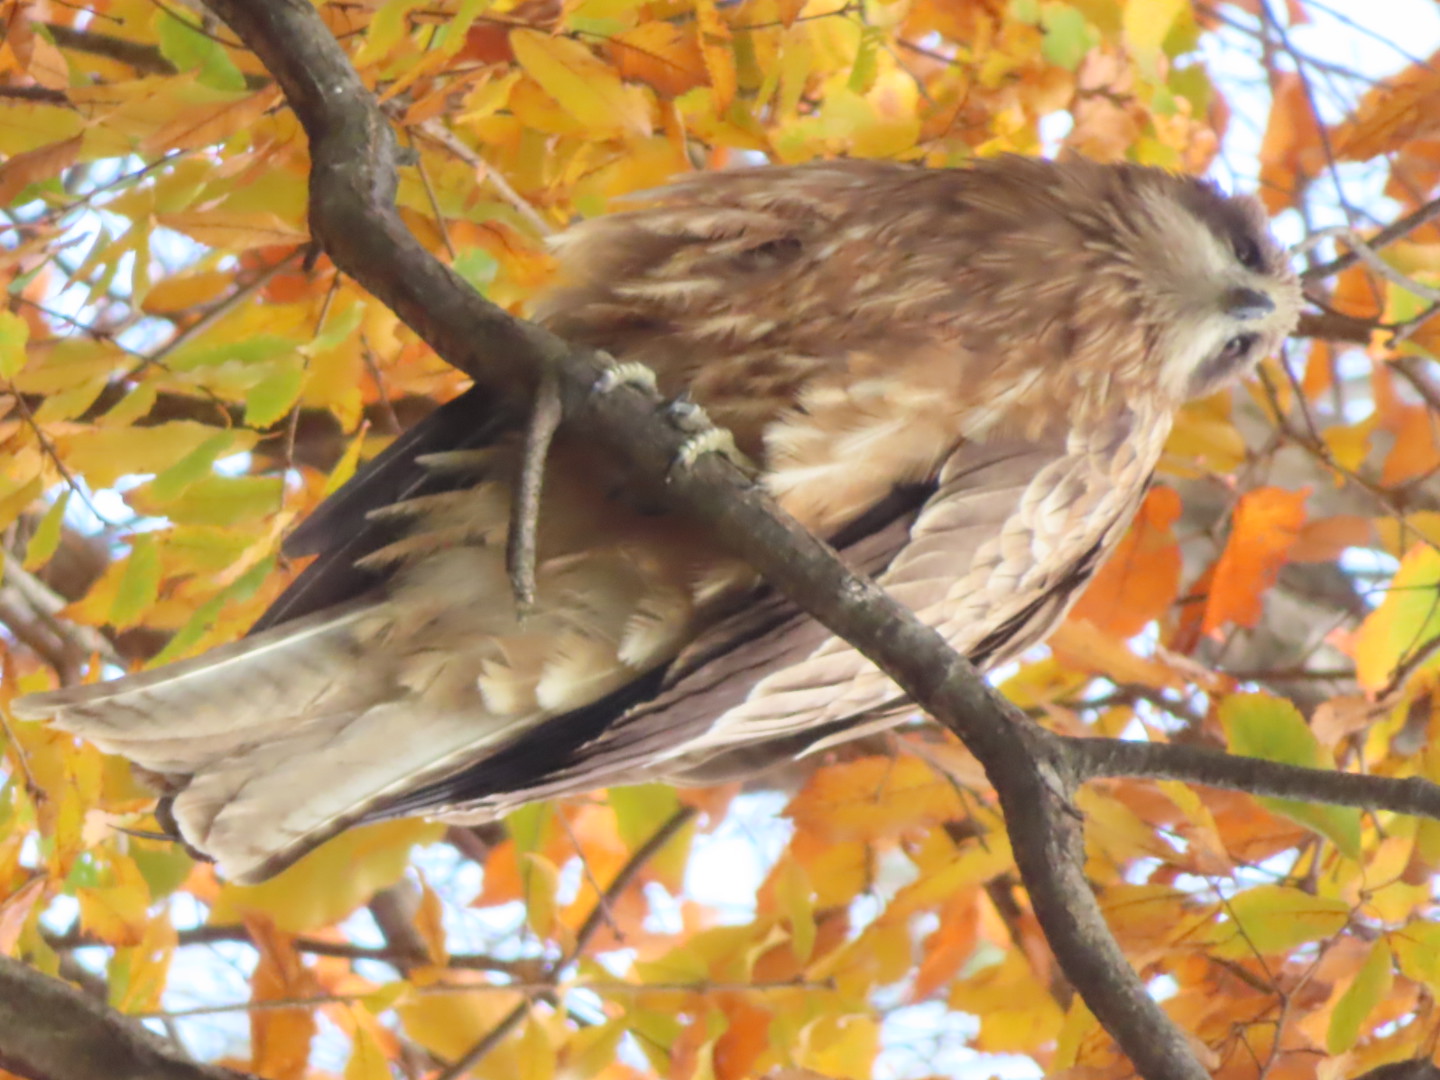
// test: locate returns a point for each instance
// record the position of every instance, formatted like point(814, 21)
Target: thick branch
point(51, 1031)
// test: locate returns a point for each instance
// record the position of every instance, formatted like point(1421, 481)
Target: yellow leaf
point(1273, 919)
point(541, 880)
point(840, 1046)
point(332, 881)
point(1406, 619)
point(106, 454)
point(116, 913)
point(14, 333)
point(209, 123)
point(1146, 23)
point(234, 231)
point(586, 88)
point(181, 292)
point(15, 501)
point(367, 1060)
point(30, 126)
point(1261, 726)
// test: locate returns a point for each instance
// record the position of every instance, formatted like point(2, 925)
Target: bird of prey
point(961, 377)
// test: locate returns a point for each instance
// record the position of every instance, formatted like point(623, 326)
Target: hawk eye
point(1248, 252)
point(1237, 347)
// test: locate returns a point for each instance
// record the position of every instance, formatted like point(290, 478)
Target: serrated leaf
point(1261, 726)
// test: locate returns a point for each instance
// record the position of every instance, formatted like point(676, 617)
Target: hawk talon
point(626, 373)
point(711, 440)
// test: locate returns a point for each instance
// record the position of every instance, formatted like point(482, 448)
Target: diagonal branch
point(51, 1031)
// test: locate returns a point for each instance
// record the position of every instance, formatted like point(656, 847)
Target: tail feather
point(229, 695)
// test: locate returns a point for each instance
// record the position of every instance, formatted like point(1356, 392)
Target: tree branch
point(1095, 757)
point(51, 1031)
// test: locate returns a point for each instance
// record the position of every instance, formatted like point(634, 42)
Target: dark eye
point(1247, 250)
point(1237, 347)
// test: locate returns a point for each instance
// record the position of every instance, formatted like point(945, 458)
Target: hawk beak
point(1248, 305)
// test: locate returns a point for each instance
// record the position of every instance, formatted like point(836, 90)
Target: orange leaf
point(1139, 581)
point(664, 54)
point(1416, 452)
point(279, 1038)
point(874, 796)
point(1292, 148)
point(1402, 108)
point(950, 946)
point(1265, 526)
point(746, 1038)
point(41, 163)
point(719, 55)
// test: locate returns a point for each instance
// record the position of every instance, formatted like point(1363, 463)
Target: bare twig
point(588, 929)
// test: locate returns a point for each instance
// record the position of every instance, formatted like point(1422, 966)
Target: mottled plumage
point(962, 377)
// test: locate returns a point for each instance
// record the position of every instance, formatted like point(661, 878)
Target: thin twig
point(588, 929)
point(486, 173)
point(1366, 254)
point(1396, 230)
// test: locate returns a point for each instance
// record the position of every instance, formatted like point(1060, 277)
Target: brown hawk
point(962, 377)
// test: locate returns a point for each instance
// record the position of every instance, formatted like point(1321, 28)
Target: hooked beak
point(1248, 305)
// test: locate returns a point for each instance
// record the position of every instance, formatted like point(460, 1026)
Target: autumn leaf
point(1264, 526)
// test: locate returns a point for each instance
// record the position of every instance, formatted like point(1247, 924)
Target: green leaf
point(1261, 726)
point(14, 333)
point(1068, 36)
point(216, 500)
point(640, 810)
point(866, 66)
point(47, 534)
point(1371, 986)
point(527, 826)
point(274, 395)
point(139, 585)
point(1270, 920)
point(173, 481)
point(478, 267)
point(185, 46)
